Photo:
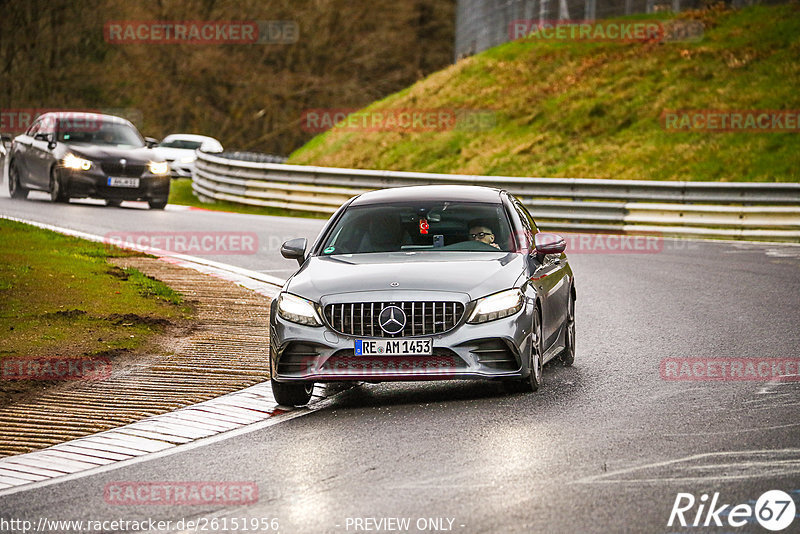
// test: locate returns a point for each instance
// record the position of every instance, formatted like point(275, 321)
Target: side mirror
point(549, 244)
point(49, 137)
point(295, 249)
point(150, 142)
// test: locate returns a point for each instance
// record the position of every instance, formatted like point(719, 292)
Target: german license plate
point(393, 347)
point(123, 182)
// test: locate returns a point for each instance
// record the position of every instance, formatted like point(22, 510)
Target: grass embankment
point(592, 109)
point(59, 297)
point(180, 192)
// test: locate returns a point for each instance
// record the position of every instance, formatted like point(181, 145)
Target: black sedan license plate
point(393, 347)
point(123, 182)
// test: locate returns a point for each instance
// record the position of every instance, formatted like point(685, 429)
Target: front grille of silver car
point(423, 318)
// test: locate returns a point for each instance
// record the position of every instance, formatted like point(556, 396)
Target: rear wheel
point(57, 193)
point(291, 393)
point(534, 379)
point(568, 355)
point(158, 204)
point(15, 189)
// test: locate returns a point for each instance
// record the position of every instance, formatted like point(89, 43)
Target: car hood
point(475, 274)
point(111, 153)
point(173, 154)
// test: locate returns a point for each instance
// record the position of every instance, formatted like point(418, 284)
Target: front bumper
point(180, 170)
point(94, 184)
point(469, 351)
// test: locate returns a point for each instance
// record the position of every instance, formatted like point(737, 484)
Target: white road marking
point(750, 466)
point(194, 426)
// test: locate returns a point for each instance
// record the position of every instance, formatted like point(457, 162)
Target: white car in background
point(180, 152)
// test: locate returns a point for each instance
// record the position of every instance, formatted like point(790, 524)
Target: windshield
point(100, 133)
point(180, 143)
point(440, 226)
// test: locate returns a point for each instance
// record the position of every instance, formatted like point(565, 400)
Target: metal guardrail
point(252, 156)
point(743, 210)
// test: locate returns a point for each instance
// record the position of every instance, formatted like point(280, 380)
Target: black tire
point(57, 193)
point(159, 204)
point(567, 356)
point(292, 393)
point(535, 357)
point(15, 189)
point(113, 203)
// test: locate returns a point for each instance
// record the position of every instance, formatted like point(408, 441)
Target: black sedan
point(423, 283)
point(80, 155)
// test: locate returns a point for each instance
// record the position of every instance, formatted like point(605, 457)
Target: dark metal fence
point(482, 24)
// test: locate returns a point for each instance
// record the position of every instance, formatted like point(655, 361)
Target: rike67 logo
point(774, 510)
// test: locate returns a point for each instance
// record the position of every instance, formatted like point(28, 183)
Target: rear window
point(179, 143)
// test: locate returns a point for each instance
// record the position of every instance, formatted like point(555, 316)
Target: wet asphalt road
point(605, 446)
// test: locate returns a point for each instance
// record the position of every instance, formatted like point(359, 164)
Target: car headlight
point(158, 167)
point(71, 161)
point(298, 310)
point(497, 306)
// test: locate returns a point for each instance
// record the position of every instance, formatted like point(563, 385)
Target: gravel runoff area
point(224, 349)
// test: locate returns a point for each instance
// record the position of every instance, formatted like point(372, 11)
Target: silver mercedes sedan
point(423, 283)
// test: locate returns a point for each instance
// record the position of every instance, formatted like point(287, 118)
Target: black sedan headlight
point(71, 161)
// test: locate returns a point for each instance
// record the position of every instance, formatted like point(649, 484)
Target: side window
point(528, 217)
point(34, 128)
point(47, 125)
point(525, 241)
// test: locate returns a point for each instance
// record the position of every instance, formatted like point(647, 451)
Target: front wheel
point(534, 380)
point(57, 193)
point(15, 189)
point(157, 204)
point(568, 355)
point(292, 393)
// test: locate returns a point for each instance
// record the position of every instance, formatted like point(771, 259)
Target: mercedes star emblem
point(392, 320)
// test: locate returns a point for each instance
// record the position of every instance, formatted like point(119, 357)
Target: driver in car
point(107, 137)
point(483, 234)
